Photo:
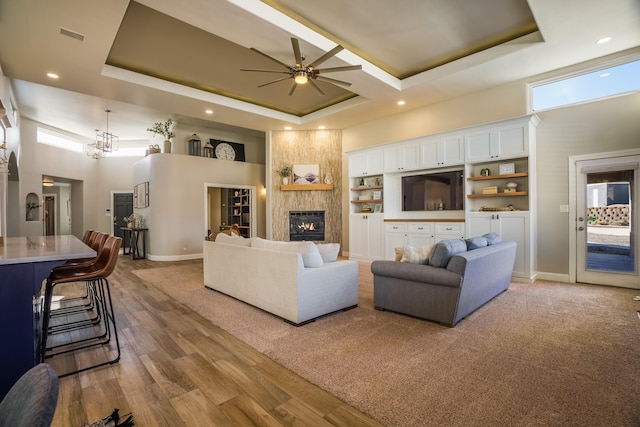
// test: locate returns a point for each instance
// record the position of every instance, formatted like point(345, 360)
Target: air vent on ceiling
point(72, 34)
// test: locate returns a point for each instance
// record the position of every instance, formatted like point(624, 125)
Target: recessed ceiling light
point(208, 111)
point(53, 75)
point(400, 102)
point(287, 128)
point(322, 127)
point(604, 40)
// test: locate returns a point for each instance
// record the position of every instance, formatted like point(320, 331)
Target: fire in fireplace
point(306, 225)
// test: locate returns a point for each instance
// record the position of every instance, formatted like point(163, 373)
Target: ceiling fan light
point(301, 77)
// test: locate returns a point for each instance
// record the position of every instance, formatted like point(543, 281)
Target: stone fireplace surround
point(306, 147)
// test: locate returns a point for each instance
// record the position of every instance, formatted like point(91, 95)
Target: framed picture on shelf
point(306, 174)
point(507, 168)
point(141, 195)
point(377, 208)
point(377, 195)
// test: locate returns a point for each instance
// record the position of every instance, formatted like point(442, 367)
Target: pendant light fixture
point(105, 142)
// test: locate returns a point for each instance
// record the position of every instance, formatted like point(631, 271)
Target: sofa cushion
point(329, 251)
point(399, 252)
point(310, 255)
point(444, 250)
point(233, 239)
point(492, 238)
point(416, 255)
point(476, 242)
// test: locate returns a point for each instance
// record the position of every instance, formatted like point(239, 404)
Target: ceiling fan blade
point(326, 56)
point(296, 51)
point(293, 88)
point(334, 69)
point(315, 86)
point(288, 67)
point(334, 81)
point(266, 71)
point(275, 81)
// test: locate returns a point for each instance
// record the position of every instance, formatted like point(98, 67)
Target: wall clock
point(225, 150)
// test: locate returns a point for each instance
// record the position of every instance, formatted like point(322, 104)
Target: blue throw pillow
point(476, 242)
point(444, 250)
point(492, 238)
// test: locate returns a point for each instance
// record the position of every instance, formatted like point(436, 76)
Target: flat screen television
point(433, 191)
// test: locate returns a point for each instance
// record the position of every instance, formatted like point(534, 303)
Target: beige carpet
point(544, 354)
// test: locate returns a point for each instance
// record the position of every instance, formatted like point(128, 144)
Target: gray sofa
point(445, 295)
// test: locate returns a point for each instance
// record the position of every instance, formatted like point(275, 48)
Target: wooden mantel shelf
point(306, 187)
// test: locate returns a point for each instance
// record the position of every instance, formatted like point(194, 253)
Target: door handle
point(580, 228)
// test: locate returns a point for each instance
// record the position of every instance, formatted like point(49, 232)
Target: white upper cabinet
point(365, 163)
point(445, 150)
point(502, 142)
point(402, 157)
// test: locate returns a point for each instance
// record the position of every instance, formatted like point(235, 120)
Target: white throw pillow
point(329, 251)
point(419, 255)
point(399, 253)
point(232, 240)
point(309, 251)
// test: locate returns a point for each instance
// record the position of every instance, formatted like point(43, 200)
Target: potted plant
point(285, 172)
point(164, 129)
point(31, 206)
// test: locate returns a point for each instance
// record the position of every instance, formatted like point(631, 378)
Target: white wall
point(603, 126)
point(94, 181)
point(177, 196)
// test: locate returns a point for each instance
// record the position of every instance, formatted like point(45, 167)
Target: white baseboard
point(174, 257)
point(553, 277)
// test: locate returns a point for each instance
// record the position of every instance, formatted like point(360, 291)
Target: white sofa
point(272, 276)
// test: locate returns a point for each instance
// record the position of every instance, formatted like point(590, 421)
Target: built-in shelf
point(507, 176)
point(512, 194)
point(367, 201)
point(306, 187)
point(367, 187)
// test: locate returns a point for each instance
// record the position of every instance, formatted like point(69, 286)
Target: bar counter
point(24, 263)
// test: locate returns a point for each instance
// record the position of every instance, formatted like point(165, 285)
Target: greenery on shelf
point(162, 128)
point(285, 171)
point(32, 205)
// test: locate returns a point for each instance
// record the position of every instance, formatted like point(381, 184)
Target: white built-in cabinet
point(366, 236)
point(511, 226)
point(402, 157)
point(502, 147)
point(366, 163)
point(497, 142)
point(441, 151)
point(418, 233)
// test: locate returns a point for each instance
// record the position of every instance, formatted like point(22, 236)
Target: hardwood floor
point(179, 369)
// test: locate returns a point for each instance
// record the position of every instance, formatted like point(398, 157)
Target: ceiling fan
point(302, 74)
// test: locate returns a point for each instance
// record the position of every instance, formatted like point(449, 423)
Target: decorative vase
point(167, 146)
point(30, 215)
point(285, 180)
point(328, 179)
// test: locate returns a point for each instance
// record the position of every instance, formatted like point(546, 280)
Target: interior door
point(49, 216)
point(606, 221)
point(122, 206)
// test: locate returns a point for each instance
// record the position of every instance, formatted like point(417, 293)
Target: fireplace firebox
point(306, 225)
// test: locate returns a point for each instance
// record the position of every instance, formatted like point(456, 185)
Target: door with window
point(122, 207)
point(606, 221)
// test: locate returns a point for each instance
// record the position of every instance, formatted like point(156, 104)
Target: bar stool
point(94, 276)
point(96, 241)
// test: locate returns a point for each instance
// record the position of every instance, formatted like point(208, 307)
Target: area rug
point(539, 354)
